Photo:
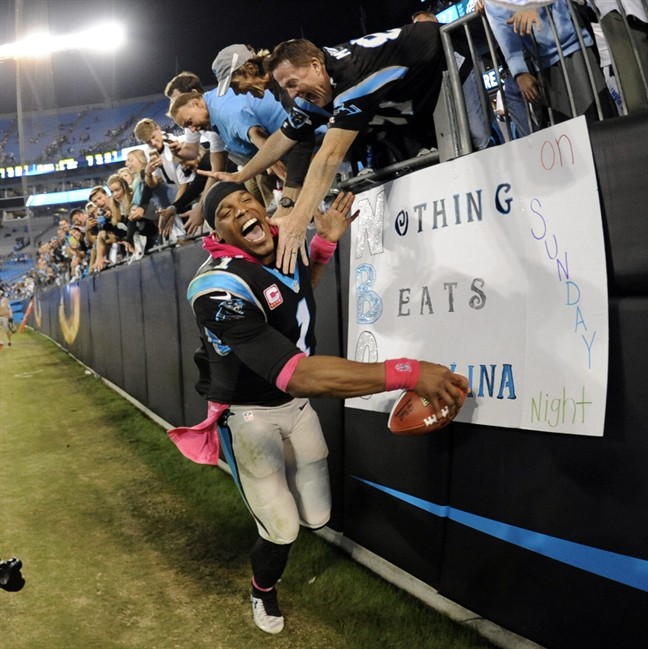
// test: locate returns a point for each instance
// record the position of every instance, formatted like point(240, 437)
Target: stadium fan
point(142, 219)
point(161, 173)
point(111, 225)
point(528, 33)
point(345, 87)
point(257, 370)
point(243, 121)
point(241, 68)
point(189, 149)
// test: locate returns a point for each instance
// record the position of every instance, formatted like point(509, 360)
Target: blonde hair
point(120, 208)
point(139, 155)
point(180, 101)
point(145, 128)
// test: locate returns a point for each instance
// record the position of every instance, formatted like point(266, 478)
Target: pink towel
point(200, 443)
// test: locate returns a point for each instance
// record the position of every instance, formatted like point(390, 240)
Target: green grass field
point(125, 543)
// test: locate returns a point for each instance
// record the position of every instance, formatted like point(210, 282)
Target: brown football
point(412, 414)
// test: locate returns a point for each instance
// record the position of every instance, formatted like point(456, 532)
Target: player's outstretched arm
point(329, 376)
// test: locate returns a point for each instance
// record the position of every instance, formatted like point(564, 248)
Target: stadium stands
point(74, 134)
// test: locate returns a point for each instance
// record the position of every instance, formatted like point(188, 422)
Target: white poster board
point(492, 264)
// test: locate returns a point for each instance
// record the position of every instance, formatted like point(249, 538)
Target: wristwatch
point(284, 201)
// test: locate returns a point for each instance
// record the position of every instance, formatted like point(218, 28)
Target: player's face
point(310, 82)
point(193, 115)
point(241, 221)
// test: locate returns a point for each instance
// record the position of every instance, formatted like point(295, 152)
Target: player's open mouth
point(252, 231)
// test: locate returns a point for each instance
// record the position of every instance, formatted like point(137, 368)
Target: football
point(412, 414)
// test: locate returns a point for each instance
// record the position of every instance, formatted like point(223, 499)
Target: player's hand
point(438, 382)
point(291, 242)
point(333, 223)
point(524, 20)
point(194, 220)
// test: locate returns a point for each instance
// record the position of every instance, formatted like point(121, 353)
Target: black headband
point(216, 194)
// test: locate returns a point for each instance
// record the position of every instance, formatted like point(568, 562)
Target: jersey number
point(303, 320)
point(376, 40)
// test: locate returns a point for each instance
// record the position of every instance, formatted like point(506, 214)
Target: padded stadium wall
point(545, 535)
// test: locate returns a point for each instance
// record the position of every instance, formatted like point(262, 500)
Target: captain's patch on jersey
point(273, 296)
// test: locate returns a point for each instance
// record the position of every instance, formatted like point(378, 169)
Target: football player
point(258, 368)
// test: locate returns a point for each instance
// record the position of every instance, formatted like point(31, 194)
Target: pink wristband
point(321, 250)
point(287, 371)
point(401, 374)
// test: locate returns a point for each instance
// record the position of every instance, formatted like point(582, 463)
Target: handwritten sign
point(494, 265)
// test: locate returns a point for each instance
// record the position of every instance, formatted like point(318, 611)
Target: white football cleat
point(267, 615)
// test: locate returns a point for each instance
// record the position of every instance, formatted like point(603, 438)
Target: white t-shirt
point(216, 144)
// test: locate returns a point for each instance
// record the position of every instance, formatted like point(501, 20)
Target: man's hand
point(291, 242)
point(220, 175)
point(529, 87)
point(524, 20)
point(136, 213)
point(175, 146)
point(438, 382)
point(195, 219)
point(278, 169)
point(333, 223)
point(155, 162)
point(166, 219)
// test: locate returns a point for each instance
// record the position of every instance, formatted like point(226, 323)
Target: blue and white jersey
point(401, 66)
point(253, 319)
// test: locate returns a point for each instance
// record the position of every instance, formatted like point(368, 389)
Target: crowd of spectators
point(278, 123)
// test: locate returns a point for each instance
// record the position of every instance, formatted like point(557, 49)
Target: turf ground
point(127, 544)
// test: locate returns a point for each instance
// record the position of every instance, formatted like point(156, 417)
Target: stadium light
point(105, 37)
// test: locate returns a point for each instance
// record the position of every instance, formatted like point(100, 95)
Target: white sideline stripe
point(494, 633)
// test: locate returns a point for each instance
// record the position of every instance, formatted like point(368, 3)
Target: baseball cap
point(227, 61)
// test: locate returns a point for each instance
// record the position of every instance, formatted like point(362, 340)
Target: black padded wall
point(187, 261)
point(132, 320)
point(106, 327)
point(161, 339)
point(619, 148)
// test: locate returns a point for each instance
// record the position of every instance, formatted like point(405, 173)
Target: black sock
point(268, 563)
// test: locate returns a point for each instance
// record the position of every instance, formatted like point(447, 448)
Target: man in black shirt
point(345, 87)
point(257, 370)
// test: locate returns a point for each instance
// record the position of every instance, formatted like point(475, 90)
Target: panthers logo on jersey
point(298, 118)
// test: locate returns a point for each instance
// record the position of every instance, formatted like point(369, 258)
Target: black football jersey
point(400, 68)
point(252, 320)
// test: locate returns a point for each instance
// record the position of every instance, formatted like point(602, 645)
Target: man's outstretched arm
point(320, 176)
